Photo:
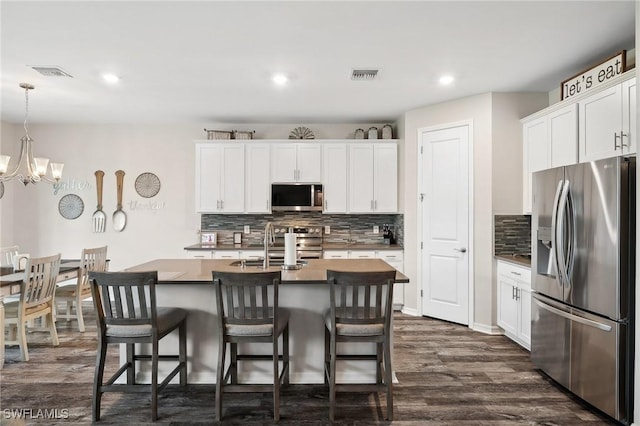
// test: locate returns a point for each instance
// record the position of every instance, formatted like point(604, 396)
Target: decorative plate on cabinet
point(301, 133)
point(147, 185)
point(71, 206)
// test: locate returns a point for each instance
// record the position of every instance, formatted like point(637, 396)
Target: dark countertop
point(330, 246)
point(518, 259)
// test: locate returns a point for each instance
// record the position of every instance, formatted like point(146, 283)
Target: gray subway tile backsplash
point(344, 228)
point(512, 234)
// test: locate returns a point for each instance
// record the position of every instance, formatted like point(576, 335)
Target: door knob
point(461, 250)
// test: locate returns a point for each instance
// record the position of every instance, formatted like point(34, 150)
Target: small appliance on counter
point(387, 235)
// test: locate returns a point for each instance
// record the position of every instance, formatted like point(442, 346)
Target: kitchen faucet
point(269, 240)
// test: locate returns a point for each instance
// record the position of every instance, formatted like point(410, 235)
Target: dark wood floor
point(448, 375)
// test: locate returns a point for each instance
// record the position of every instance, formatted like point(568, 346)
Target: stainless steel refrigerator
point(583, 274)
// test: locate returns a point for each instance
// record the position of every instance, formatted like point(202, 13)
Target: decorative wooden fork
point(99, 217)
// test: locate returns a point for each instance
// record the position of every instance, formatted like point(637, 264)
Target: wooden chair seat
point(167, 320)
point(347, 329)
point(257, 330)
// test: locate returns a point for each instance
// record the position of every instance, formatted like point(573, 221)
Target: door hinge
point(421, 293)
point(421, 245)
point(422, 150)
point(421, 197)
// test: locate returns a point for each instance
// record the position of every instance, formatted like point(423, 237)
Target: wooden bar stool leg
point(22, 336)
point(234, 363)
point(154, 380)
point(97, 381)
point(285, 354)
point(388, 371)
point(276, 381)
point(182, 335)
point(131, 364)
point(222, 350)
point(379, 360)
point(327, 355)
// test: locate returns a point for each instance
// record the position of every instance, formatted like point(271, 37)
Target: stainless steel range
point(308, 241)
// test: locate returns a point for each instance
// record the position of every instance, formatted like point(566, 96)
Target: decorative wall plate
point(70, 206)
point(147, 185)
point(301, 133)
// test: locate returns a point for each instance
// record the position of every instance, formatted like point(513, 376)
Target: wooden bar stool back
point(126, 311)
point(248, 312)
point(361, 309)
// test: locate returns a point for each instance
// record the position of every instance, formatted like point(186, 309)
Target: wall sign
point(594, 77)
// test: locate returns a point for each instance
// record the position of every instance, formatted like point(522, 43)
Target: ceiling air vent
point(363, 74)
point(52, 72)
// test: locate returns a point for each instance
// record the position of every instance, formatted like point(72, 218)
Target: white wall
point(497, 155)
point(159, 228)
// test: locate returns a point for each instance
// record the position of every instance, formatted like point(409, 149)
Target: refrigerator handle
point(563, 236)
point(554, 233)
point(572, 317)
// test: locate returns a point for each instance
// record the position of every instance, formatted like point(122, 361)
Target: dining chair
point(248, 312)
point(92, 259)
point(360, 311)
point(7, 256)
point(36, 300)
point(126, 312)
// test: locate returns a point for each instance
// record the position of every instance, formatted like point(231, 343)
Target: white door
point(445, 223)
point(232, 180)
point(208, 193)
point(283, 163)
point(600, 121)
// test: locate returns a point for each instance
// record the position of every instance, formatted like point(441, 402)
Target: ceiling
point(212, 61)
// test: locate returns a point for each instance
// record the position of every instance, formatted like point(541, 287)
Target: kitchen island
point(187, 283)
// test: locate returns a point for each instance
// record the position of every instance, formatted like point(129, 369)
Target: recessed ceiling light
point(110, 78)
point(445, 80)
point(280, 79)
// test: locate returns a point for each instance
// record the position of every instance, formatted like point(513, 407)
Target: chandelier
point(29, 169)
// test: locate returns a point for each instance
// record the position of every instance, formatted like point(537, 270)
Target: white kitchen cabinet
point(373, 178)
point(296, 162)
point(514, 302)
point(219, 178)
point(199, 254)
point(549, 141)
point(604, 131)
point(251, 254)
point(395, 258)
point(334, 183)
point(226, 254)
point(258, 186)
point(335, 254)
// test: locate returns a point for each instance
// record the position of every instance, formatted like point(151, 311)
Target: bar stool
point(248, 312)
point(126, 311)
point(361, 309)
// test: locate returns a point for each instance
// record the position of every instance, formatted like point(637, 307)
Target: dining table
point(11, 281)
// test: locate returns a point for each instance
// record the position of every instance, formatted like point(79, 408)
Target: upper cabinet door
point(334, 184)
point(563, 136)
point(232, 180)
point(258, 187)
point(208, 195)
point(283, 163)
point(309, 162)
point(629, 115)
point(385, 184)
point(296, 162)
point(219, 178)
point(361, 178)
point(600, 121)
point(536, 155)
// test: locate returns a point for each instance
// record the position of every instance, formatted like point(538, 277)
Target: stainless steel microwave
point(296, 197)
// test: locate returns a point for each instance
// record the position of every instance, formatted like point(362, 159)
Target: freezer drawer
point(582, 352)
